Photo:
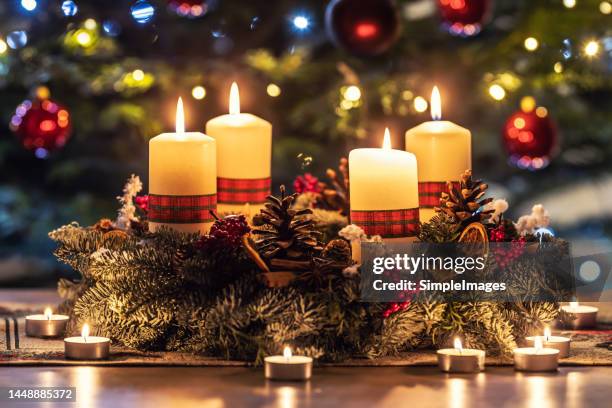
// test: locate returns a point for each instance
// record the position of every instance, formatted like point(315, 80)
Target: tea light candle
point(46, 325)
point(536, 358)
point(460, 360)
point(86, 347)
point(244, 157)
point(556, 342)
point(288, 367)
point(443, 150)
point(585, 317)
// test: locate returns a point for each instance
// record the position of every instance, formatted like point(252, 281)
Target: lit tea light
point(288, 367)
point(460, 360)
point(46, 324)
point(86, 347)
point(584, 317)
point(556, 342)
point(536, 358)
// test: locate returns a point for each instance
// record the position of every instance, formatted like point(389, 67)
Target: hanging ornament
point(42, 125)
point(530, 136)
point(363, 27)
point(464, 17)
point(191, 8)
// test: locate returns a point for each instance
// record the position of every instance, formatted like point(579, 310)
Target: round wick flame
point(387, 140)
point(537, 344)
point(48, 313)
point(287, 353)
point(573, 305)
point(457, 344)
point(180, 117)
point(436, 104)
point(546, 333)
point(234, 102)
point(85, 332)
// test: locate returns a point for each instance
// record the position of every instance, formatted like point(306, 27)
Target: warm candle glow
point(436, 104)
point(573, 305)
point(287, 353)
point(234, 102)
point(457, 344)
point(48, 313)
point(85, 331)
point(537, 344)
point(180, 117)
point(546, 333)
point(387, 140)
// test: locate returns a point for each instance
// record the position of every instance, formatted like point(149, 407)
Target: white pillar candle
point(182, 179)
point(46, 325)
point(86, 347)
point(556, 342)
point(288, 367)
point(443, 151)
point(584, 317)
point(244, 157)
point(536, 358)
point(460, 360)
point(384, 191)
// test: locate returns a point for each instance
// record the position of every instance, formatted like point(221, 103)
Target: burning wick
point(436, 104)
point(287, 353)
point(387, 140)
point(48, 313)
point(573, 305)
point(234, 102)
point(546, 333)
point(85, 332)
point(537, 344)
point(457, 345)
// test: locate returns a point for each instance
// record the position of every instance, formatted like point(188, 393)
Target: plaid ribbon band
point(242, 191)
point(182, 209)
point(388, 223)
point(429, 192)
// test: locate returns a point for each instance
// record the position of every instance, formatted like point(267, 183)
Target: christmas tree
point(86, 84)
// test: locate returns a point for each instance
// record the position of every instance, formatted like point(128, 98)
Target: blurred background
point(86, 84)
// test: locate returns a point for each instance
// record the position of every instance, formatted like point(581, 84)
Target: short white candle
point(584, 317)
point(536, 358)
point(556, 342)
point(460, 360)
point(46, 325)
point(86, 347)
point(288, 367)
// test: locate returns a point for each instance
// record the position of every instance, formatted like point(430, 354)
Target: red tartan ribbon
point(388, 223)
point(181, 209)
point(429, 192)
point(242, 191)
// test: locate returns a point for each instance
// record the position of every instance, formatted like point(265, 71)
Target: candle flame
point(287, 353)
point(537, 344)
point(387, 140)
point(48, 313)
point(180, 117)
point(547, 333)
point(457, 344)
point(436, 104)
point(85, 331)
point(234, 102)
point(573, 305)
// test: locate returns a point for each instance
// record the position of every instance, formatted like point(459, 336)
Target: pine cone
point(337, 250)
point(284, 232)
point(462, 205)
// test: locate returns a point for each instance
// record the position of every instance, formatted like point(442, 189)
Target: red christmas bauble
point(41, 125)
point(363, 27)
point(464, 17)
point(530, 138)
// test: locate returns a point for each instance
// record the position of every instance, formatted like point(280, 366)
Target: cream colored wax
point(244, 150)
point(443, 151)
point(383, 190)
point(182, 179)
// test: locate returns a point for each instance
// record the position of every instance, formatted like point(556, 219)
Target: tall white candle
point(443, 151)
point(383, 191)
point(244, 157)
point(182, 179)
